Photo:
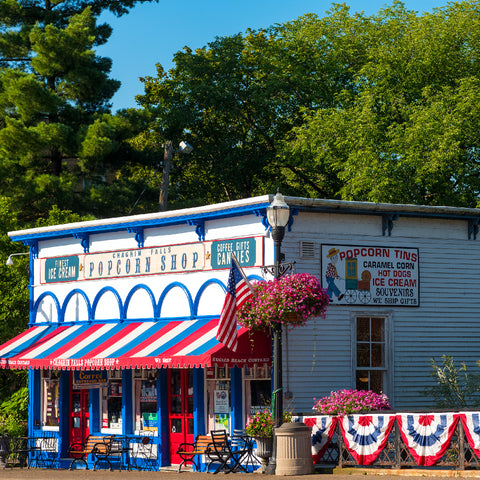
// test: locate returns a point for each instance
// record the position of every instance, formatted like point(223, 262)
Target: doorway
point(180, 410)
point(79, 415)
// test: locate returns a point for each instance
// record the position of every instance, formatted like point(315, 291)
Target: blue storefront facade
point(122, 331)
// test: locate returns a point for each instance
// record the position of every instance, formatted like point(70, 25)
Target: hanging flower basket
point(290, 300)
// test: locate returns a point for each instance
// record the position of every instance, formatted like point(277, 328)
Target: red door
point(79, 416)
point(180, 410)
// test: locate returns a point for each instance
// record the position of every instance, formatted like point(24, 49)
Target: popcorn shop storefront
point(122, 330)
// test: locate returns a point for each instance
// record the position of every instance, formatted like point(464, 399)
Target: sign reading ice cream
point(371, 275)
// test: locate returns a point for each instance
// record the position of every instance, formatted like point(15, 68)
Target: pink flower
point(345, 402)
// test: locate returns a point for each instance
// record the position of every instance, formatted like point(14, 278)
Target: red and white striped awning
point(132, 344)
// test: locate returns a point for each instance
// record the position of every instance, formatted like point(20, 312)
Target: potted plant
point(290, 300)
point(260, 427)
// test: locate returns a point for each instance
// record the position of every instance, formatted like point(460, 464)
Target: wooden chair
point(93, 444)
point(189, 451)
point(228, 457)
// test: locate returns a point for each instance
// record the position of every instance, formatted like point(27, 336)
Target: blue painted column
point(199, 421)
point(162, 418)
point(95, 400)
point(127, 402)
point(64, 411)
point(34, 400)
point(236, 405)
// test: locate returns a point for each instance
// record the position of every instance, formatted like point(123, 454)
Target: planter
point(264, 450)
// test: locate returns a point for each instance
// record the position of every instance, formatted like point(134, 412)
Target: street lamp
point(278, 214)
point(9, 261)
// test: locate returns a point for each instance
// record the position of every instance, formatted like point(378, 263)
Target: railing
point(460, 450)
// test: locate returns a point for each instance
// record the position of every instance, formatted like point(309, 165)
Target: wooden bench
point(93, 444)
point(188, 451)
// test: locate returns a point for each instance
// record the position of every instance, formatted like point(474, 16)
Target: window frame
point(47, 376)
point(388, 386)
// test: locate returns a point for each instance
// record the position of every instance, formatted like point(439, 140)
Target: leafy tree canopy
point(59, 145)
point(407, 131)
point(380, 108)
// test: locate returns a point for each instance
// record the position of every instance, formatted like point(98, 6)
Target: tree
point(408, 130)
point(58, 142)
point(379, 108)
point(237, 99)
point(456, 387)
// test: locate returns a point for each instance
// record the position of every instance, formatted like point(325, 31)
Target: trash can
point(294, 449)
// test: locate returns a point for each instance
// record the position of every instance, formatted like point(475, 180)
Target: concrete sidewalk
point(345, 474)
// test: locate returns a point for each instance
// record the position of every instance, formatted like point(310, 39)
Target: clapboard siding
point(446, 322)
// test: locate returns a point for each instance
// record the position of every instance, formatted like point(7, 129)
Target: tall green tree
point(379, 107)
point(408, 130)
point(237, 99)
point(58, 142)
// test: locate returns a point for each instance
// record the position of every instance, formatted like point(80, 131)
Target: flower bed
point(344, 402)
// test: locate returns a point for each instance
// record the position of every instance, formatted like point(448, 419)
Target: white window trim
point(389, 366)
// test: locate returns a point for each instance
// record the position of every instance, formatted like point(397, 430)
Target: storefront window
point(146, 400)
point(50, 398)
point(112, 402)
point(257, 388)
point(218, 390)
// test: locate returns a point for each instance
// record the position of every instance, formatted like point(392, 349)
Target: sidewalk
point(348, 474)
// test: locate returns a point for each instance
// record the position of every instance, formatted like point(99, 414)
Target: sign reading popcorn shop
point(180, 258)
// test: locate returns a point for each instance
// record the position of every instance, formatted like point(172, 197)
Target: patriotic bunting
point(471, 427)
point(323, 429)
point(427, 436)
point(365, 436)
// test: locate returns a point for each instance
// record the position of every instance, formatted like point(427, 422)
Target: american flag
point(238, 291)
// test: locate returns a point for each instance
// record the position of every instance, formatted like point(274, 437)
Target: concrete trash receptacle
point(294, 449)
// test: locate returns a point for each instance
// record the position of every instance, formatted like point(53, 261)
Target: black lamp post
point(278, 214)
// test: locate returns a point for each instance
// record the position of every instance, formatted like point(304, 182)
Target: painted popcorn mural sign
point(373, 275)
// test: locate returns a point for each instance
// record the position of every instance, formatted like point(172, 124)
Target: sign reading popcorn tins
point(371, 275)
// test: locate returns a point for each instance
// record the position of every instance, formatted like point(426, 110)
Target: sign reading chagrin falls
point(188, 257)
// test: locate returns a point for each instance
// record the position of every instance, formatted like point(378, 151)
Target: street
point(385, 474)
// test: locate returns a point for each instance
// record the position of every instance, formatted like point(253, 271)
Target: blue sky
point(152, 33)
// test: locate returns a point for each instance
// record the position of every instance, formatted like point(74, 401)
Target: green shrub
point(456, 387)
point(14, 414)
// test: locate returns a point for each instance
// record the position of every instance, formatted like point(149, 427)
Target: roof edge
point(242, 207)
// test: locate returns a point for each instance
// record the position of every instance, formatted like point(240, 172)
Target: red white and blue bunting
point(427, 436)
point(365, 436)
point(471, 427)
point(323, 428)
